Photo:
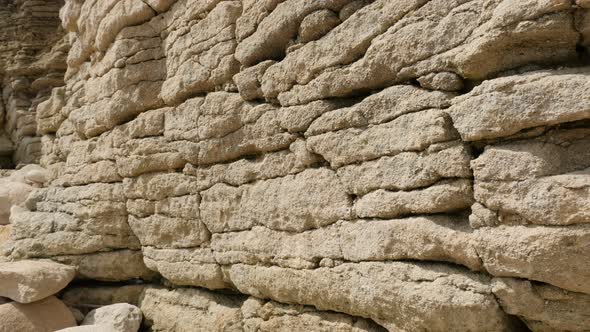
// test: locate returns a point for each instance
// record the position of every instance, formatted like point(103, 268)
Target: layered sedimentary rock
point(322, 165)
point(32, 62)
point(193, 309)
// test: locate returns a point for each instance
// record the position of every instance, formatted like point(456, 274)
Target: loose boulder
point(122, 317)
point(47, 315)
point(29, 281)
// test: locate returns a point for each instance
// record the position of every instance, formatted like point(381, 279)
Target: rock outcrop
point(293, 165)
point(33, 51)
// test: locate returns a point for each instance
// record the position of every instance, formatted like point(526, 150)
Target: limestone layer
point(335, 165)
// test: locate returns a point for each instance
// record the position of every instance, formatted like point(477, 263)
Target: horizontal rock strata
point(289, 165)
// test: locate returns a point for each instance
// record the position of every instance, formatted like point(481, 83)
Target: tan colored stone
point(267, 166)
point(543, 307)
point(124, 13)
point(507, 105)
point(186, 267)
point(48, 112)
point(229, 128)
point(317, 24)
point(274, 32)
point(15, 188)
point(410, 132)
point(95, 118)
point(202, 57)
point(407, 170)
point(45, 234)
point(248, 80)
point(380, 107)
point(582, 22)
point(481, 217)
point(546, 254)
point(552, 200)
point(372, 49)
point(315, 153)
point(30, 281)
point(4, 235)
point(351, 8)
point(177, 309)
point(417, 295)
point(49, 314)
point(555, 153)
point(444, 81)
point(433, 238)
point(269, 316)
point(160, 5)
point(444, 196)
point(345, 44)
point(117, 265)
point(78, 315)
point(277, 203)
point(233, 312)
point(162, 231)
point(122, 317)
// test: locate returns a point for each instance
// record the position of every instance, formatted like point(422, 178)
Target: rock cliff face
point(296, 165)
point(32, 62)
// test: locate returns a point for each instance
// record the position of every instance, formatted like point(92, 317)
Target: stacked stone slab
point(334, 165)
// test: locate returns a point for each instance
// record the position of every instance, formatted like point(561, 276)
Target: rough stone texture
point(30, 281)
point(418, 294)
point(543, 307)
point(334, 165)
point(468, 37)
point(445, 81)
point(47, 315)
point(504, 106)
point(187, 309)
point(277, 203)
point(33, 51)
point(122, 317)
point(16, 187)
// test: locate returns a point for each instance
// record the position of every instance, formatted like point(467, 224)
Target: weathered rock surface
point(188, 309)
point(334, 165)
point(277, 203)
point(122, 317)
point(537, 253)
point(408, 170)
point(543, 307)
point(49, 314)
point(510, 104)
point(30, 281)
point(439, 198)
point(470, 38)
point(418, 295)
point(412, 132)
point(33, 53)
point(16, 187)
